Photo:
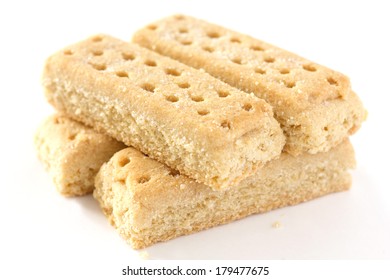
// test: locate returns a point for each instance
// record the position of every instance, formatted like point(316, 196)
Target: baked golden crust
point(187, 119)
point(299, 90)
point(148, 202)
point(73, 153)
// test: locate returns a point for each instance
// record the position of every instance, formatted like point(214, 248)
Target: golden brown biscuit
point(148, 202)
point(314, 104)
point(73, 153)
point(187, 119)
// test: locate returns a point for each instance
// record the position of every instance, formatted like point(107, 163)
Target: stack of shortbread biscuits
point(193, 125)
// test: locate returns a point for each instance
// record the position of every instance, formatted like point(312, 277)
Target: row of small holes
point(215, 35)
point(151, 88)
point(237, 60)
point(307, 67)
point(141, 180)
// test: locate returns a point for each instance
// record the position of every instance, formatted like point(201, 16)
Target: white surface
point(41, 227)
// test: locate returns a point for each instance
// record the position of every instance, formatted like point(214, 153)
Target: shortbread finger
point(314, 104)
point(187, 119)
point(148, 202)
point(73, 153)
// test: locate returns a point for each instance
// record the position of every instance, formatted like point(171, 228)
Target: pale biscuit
point(187, 119)
point(314, 104)
point(73, 153)
point(148, 202)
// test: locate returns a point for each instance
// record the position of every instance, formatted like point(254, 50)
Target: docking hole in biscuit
point(97, 53)
point(183, 30)
point(71, 137)
point(122, 74)
point(332, 81)
point(128, 56)
point(184, 85)
point(237, 60)
point(186, 42)
point(143, 179)
point(203, 112)
point(309, 67)
point(172, 98)
point(226, 124)
point(172, 72)
point(247, 107)
point(179, 17)
point(123, 161)
point(259, 70)
point(223, 94)
point(213, 34)
point(235, 40)
point(197, 98)
point(289, 84)
point(97, 39)
point(269, 59)
point(256, 48)
point(99, 67)
point(345, 123)
point(152, 27)
point(284, 71)
point(150, 63)
point(148, 87)
point(68, 52)
point(208, 49)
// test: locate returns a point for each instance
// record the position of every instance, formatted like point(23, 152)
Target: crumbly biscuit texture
point(149, 202)
point(73, 153)
point(314, 104)
point(187, 119)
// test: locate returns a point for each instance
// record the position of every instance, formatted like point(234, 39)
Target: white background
point(42, 232)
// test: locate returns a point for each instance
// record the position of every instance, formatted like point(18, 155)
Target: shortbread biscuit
point(187, 119)
point(148, 202)
point(73, 153)
point(314, 104)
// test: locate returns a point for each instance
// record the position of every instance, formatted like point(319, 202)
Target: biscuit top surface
point(284, 79)
point(157, 85)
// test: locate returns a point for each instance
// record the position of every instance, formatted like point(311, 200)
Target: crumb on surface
point(277, 224)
